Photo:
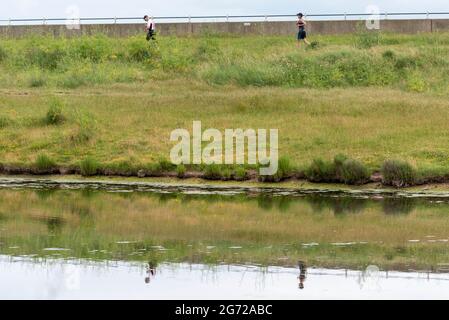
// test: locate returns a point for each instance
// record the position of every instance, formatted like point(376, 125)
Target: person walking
point(150, 28)
point(302, 34)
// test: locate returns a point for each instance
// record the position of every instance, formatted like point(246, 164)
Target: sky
point(135, 8)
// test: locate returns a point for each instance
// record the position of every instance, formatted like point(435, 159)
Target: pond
point(99, 240)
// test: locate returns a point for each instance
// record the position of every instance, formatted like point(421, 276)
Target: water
point(25, 279)
point(87, 241)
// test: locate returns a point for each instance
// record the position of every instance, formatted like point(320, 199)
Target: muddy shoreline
point(252, 176)
point(198, 187)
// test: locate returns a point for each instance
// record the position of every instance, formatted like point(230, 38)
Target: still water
point(97, 240)
point(25, 279)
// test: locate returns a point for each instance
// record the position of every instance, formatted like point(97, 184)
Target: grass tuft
point(398, 173)
point(45, 163)
point(89, 167)
point(55, 114)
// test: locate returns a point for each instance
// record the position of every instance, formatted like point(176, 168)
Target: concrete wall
point(239, 28)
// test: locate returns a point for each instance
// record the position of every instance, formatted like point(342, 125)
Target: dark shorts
point(150, 35)
point(302, 34)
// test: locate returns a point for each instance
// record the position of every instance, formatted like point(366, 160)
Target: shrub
point(54, 114)
point(366, 39)
point(240, 174)
point(342, 170)
point(181, 171)
point(44, 163)
point(321, 171)
point(165, 165)
point(339, 161)
point(406, 62)
point(415, 83)
point(89, 167)
point(226, 173)
point(207, 49)
point(37, 81)
point(354, 172)
point(389, 55)
point(45, 58)
point(94, 49)
point(398, 173)
point(212, 172)
point(122, 168)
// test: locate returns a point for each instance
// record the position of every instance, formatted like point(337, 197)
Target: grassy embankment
point(107, 106)
point(398, 234)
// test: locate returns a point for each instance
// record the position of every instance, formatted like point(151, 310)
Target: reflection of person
point(302, 34)
point(151, 272)
point(302, 274)
point(150, 28)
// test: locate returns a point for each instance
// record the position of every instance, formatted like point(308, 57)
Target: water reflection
point(151, 272)
point(399, 206)
point(340, 205)
point(302, 274)
point(257, 228)
point(81, 279)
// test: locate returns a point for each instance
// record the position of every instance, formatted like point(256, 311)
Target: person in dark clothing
point(302, 274)
point(150, 28)
point(302, 34)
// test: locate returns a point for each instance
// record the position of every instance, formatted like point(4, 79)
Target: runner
point(150, 28)
point(302, 34)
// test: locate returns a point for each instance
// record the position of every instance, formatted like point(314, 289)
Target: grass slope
point(370, 96)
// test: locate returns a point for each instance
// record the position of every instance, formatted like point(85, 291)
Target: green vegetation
point(369, 96)
point(45, 163)
point(181, 171)
point(89, 167)
point(413, 63)
point(398, 173)
point(54, 114)
point(341, 170)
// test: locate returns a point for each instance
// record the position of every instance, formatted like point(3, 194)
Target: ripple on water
point(344, 244)
point(308, 245)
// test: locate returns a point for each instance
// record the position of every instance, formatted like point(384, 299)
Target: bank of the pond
point(400, 175)
point(198, 185)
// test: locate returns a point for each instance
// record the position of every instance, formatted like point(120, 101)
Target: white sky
point(111, 8)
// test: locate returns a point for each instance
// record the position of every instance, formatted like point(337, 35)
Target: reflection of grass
point(269, 230)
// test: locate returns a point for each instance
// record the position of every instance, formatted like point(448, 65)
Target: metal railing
point(271, 17)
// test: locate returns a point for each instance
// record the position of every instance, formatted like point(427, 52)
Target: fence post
point(9, 21)
point(115, 20)
point(44, 21)
point(346, 18)
point(386, 15)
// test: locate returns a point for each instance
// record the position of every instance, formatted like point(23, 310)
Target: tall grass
point(363, 59)
point(55, 114)
point(398, 173)
point(89, 167)
point(45, 163)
